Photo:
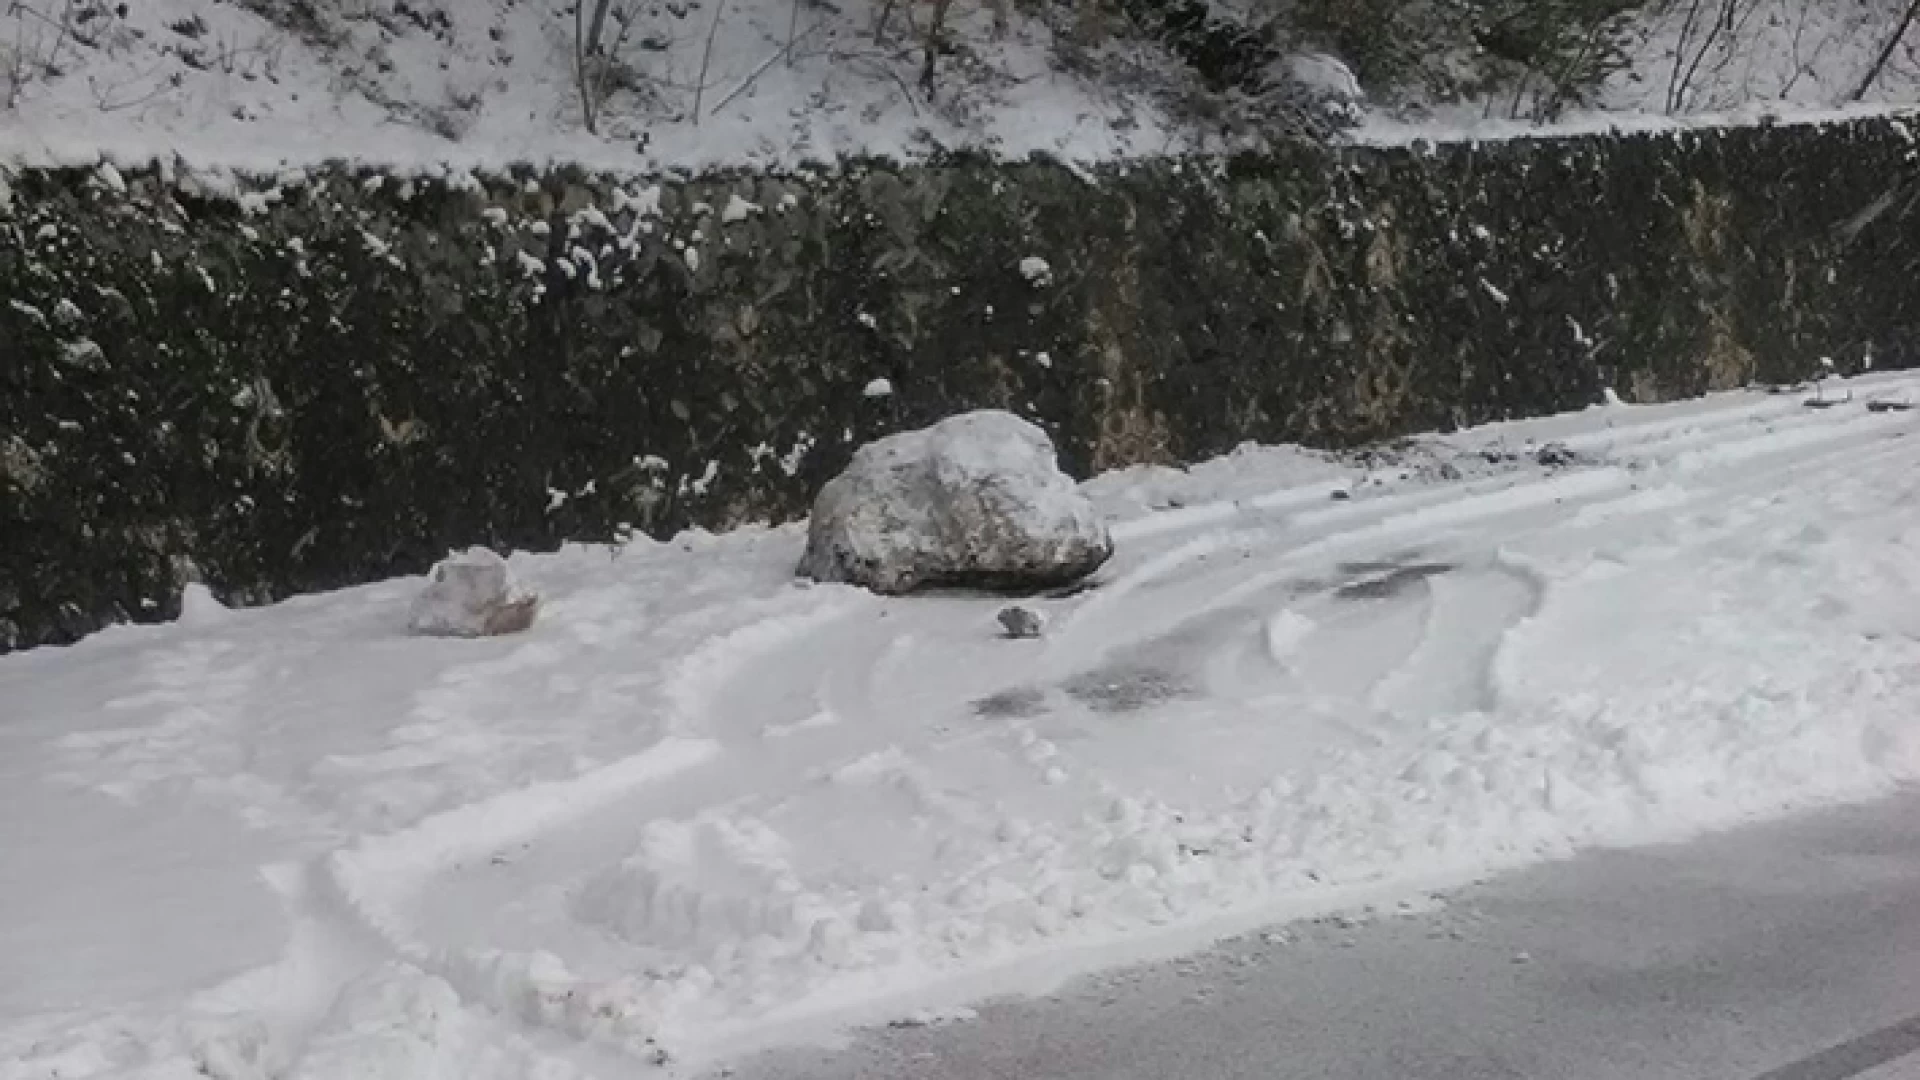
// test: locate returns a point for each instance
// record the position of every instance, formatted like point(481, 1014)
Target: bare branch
point(582, 70)
point(706, 59)
point(786, 53)
point(936, 33)
point(1886, 54)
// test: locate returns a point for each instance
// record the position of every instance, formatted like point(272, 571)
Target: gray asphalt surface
point(1784, 951)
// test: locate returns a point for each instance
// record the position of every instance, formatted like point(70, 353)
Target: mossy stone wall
point(321, 379)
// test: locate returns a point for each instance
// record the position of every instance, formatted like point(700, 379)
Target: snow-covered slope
point(486, 83)
point(701, 806)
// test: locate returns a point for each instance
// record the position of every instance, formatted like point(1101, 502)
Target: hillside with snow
point(686, 84)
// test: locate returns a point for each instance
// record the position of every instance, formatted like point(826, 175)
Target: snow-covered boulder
point(976, 500)
point(472, 594)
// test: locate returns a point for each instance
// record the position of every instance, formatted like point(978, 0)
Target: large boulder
point(472, 594)
point(976, 501)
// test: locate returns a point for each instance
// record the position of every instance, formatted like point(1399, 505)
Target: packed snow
point(699, 805)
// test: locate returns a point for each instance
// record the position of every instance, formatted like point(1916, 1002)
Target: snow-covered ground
point(483, 84)
point(701, 807)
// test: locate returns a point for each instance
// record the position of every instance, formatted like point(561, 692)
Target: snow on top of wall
point(1464, 124)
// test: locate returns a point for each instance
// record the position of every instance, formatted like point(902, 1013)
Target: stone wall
point(315, 380)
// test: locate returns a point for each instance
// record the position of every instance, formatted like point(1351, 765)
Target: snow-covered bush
point(976, 500)
point(472, 594)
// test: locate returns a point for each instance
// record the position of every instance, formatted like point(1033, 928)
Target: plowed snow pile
point(700, 806)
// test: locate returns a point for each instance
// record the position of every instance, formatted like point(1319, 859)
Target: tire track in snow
point(379, 882)
point(1321, 534)
point(854, 682)
point(1470, 612)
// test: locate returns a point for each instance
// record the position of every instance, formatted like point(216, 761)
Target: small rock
point(1556, 455)
point(1020, 622)
point(472, 594)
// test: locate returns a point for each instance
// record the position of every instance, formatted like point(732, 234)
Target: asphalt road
point(1783, 951)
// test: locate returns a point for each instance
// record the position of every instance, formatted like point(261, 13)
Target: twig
point(661, 82)
point(786, 52)
point(1726, 19)
point(103, 96)
point(583, 78)
point(1677, 83)
point(593, 61)
point(1886, 54)
point(1519, 93)
point(885, 68)
point(599, 27)
point(935, 31)
point(706, 59)
point(63, 27)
